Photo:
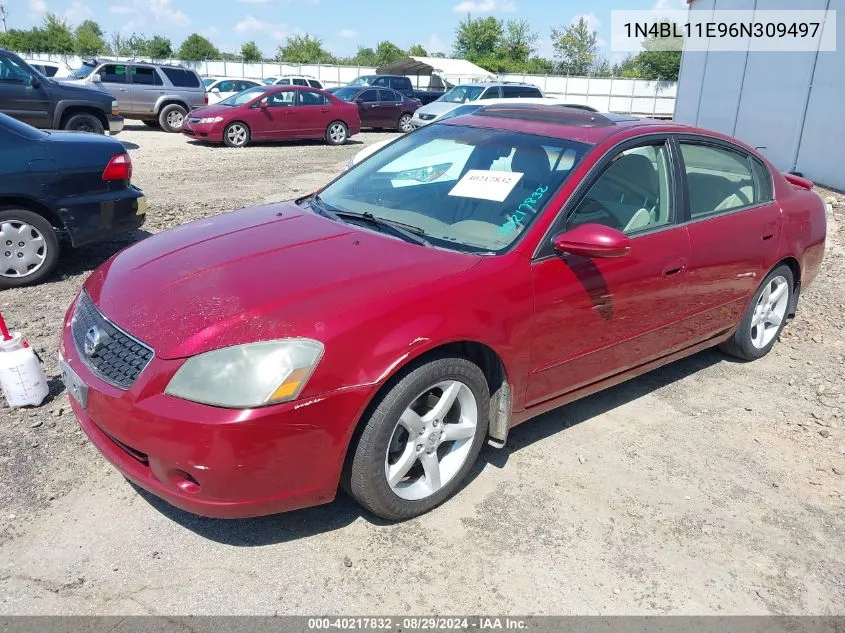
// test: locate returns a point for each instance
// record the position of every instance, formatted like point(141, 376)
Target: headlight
point(114, 108)
point(246, 376)
point(211, 119)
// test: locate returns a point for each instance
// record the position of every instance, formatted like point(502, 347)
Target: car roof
point(560, 121)
point(489, 84)
point(232, 79)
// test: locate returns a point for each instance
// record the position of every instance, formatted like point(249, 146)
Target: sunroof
point(547, 113)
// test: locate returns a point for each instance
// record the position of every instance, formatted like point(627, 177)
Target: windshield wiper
point(316, 203)
point(408, 232)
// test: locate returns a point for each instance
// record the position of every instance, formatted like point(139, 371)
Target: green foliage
point(496, 46)
point(478, 38)
point(251, 53)
point(57, 35)
point(88, 39)
point(388, 52)
point(197, 48)
point(519, 42)
point(157, 47)
point(577, 50)
point(365, 56)
point(417, 50)
point(31, 41)
point(654, 62)
point(304, 49)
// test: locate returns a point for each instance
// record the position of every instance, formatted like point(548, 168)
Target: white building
point(791, 105)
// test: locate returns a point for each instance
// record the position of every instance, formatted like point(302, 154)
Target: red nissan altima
point(464, 279)
point(274, 113)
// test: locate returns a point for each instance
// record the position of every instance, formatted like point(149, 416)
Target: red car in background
point(380, 107)
point(274, 113)
point(460, 281)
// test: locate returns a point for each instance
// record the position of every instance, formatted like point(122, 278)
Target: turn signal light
point(119, 168)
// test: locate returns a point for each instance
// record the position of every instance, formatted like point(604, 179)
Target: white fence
point(606, 94)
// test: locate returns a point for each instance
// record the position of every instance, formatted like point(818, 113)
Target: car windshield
point(365, 80)
point(242, 98)
point(83, 71)
point(461, 110)
point(462, 94)
point(466, 188)
point(269, 81)
point(207, 82)
point(347, 94)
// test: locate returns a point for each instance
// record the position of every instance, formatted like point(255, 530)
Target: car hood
point(262, 273)
point(82, 89)
point(213, 110)
point(438, 108)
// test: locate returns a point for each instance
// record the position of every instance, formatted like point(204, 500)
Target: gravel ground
point(708, 486)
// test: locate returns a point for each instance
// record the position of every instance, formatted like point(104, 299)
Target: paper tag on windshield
point(486, 185)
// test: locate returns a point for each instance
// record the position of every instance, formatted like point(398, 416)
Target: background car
point(296, 80)
point(219, 88)
point(275, 113)
point(399, 83)
point(48, 69)
point(76, 185)
point(380, 107)
point(472, 92)
point(158, 94)
point(45, 103)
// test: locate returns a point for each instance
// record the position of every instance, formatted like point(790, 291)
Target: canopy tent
point(449, 71)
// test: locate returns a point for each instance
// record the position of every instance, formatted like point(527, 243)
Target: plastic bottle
point(22, 377)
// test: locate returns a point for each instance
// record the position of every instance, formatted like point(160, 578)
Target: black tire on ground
point(235, 142)
point(15, 218)
point(337, 133)
point(151, 123)
point(741, 345)
point(171, 117)
point(84, 122)
point(366, 479)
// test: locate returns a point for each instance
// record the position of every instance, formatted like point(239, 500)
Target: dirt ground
point(706, 487)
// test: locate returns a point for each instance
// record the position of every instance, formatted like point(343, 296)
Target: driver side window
point(631, 195)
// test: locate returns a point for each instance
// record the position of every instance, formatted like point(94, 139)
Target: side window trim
point(544, 247)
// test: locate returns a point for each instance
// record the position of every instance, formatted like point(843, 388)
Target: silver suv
point(158, 94)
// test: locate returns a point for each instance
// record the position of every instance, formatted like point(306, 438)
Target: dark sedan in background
point(380, 107)
point(59, 184)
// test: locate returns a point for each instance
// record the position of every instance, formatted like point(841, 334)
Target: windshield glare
point(242, 98)
point(470, 189)
point(208, 82)
point(347, 94)
point(83, 71)
point(362, 81)
point(462, 94)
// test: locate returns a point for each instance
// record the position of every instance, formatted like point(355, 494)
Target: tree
point(57, 35)
point(197, 48)
point(417, 50)
point(365, 56)
point(660, 59)
point(576, 48)
point(22, 41)
point(388, 52)
point(127, 46)
point(519, 42)
point(304, 49)
point(438, 54)
point(478, 38)
point(88, 39)
point(157, 47)
point(251, 53)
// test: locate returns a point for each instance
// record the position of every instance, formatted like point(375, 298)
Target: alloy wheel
point(769, 312)
point(175, 119)
point(337, 133)
point(432, 440)
point(23, 249)
point(405, 123)
point(236, 134)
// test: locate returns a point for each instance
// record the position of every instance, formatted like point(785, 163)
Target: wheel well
point(795, 267)
point(31, 205)
point(164, 104)
point(72, 110)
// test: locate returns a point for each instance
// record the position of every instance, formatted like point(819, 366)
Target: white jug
point(21, 374)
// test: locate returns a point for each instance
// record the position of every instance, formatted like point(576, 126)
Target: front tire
point(765, 318)
point(421, 440)
point(404, 124)
point(236, 134)
point(84, 123)
point(29, 248)
point(337, 133)
point(172, 117)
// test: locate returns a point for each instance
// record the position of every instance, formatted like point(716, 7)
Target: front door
point(598, 317)
point(277, 121)
point(19, 96)
point(369, 108)
point(114, 79)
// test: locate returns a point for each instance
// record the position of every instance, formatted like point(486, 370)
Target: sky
point(343, 25)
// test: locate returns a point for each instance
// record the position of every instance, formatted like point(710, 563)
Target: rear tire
point(36, 259)
point(172, 117)
point(236, 134)
point(421, 440)
point(765, 317)
point(84, 122)
point(337, 133)
point(404, 124)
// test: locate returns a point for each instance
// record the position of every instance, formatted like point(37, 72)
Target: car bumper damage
point(92, 218)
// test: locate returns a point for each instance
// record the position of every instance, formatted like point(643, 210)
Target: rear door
point(313, 113)
point(391, 107)
point(145, 87)
point(19, 98)
point(369, 108)
point(597, 317)
point(734, 227)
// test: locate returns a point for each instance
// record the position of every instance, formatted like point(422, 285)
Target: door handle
point(324, 109)
point(768, 236)
point(673, 269)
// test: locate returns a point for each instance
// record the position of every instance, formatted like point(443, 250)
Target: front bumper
point(115, 123)
point(212, 132)
point(93, 218)
point(217, 462)
point(417, 122)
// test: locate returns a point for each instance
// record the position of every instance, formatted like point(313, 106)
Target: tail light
point(119, 168)
point(205, 98)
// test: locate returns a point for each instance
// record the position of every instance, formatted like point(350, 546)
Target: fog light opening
point(184, 481)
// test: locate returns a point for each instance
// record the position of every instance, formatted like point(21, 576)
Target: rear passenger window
point(284, 82)
point(368, 95)
point(113, 74)
point(719, 180)
point(300, 82)
point(490, 93)
point(181, 78)
point(145, 76)
point(517, 92)
point(390, 96)
point(308, 98)
point(315, 84)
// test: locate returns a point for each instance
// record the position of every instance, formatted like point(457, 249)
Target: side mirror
point(33, 81)
point(359, 100)
point(215, 90)
point(593, 240)
point(96, 78)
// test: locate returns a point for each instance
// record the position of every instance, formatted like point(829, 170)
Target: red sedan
point(274, 113)
point(464, 279)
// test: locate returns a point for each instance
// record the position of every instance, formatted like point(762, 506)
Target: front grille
point(111, 353)
point(427, 117)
